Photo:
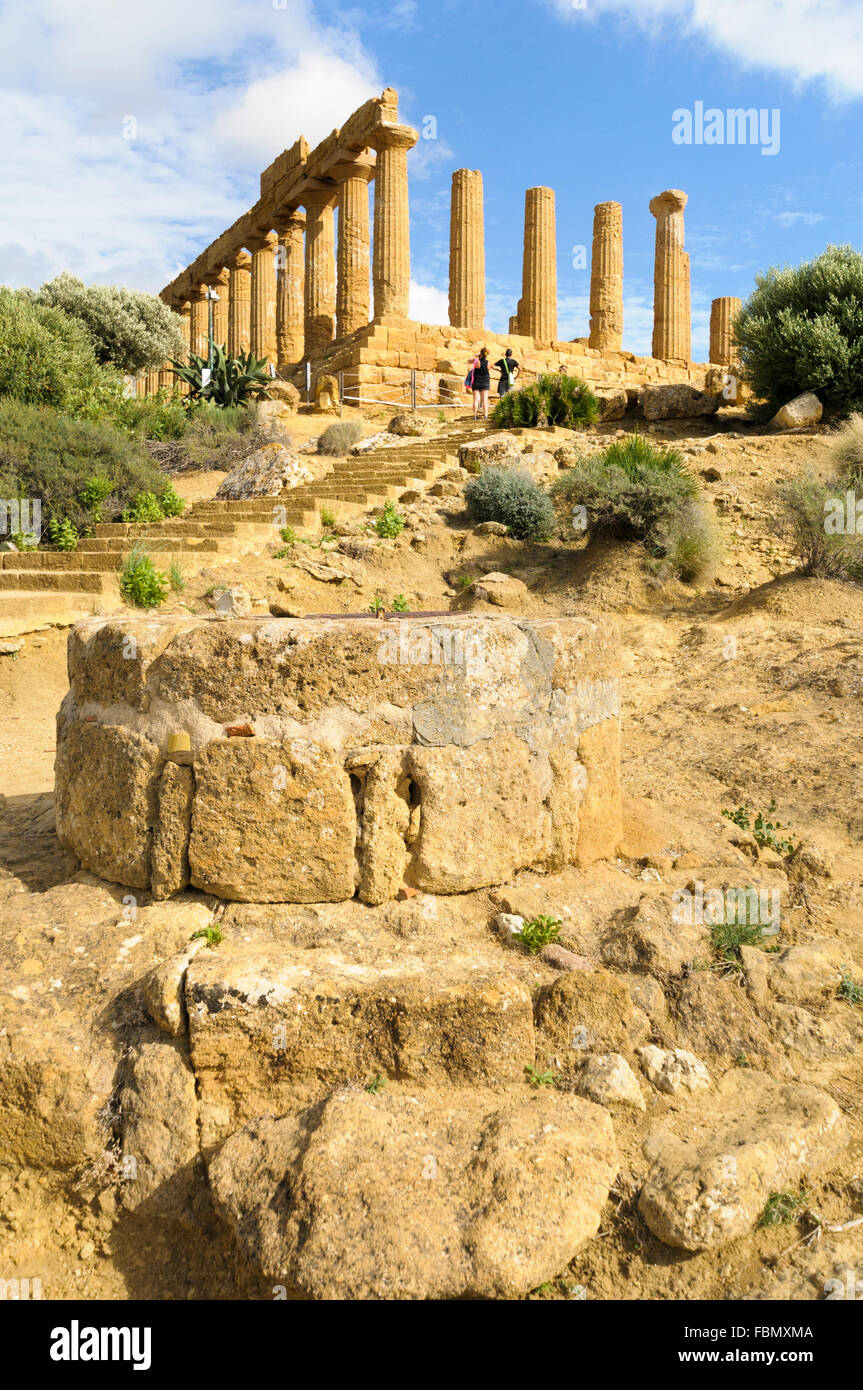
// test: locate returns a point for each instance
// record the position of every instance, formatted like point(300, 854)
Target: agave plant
point(233, 380)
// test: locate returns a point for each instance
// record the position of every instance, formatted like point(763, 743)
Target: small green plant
point(211, 934)
point(63, 535)
point(339, 438)
point(464, 581)
point(288, 535)
point(390, 523)
point(400, 604)
point(145, 508)
point(781, 1208)
point(171, 503)
point(94, 493)
point(328, 516)
point(540, 1078)
point(441, 415)
point(176, 578)
point(510, 496)
point(377, 605)
point(741, 1060)
point(376, 1085)
point(141, 584)
point(537, 932)
point(24, 540)
point(849, 989)
point(763, 830)
point(726, 938)
point(283, 552)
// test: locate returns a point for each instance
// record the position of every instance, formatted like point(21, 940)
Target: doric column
point(262, 326)
point(184, 314)
point(606, 278)
point(352, 294)
point(320, 284)
point(166, 378)
point(199, 321)
point(723, 312)
point(152, 380)
point(239, 304)
point(537, 310)
point(466, 251)
point(289, 291)
point(672, 333)
point(391, 263)
point(220, 283)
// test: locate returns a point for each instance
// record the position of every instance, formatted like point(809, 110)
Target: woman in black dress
point(481, 383)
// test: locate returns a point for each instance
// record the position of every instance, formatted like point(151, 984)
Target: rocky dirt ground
point(743, 690)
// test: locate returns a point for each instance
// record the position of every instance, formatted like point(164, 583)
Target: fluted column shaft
point(466, 250)
point(262, 326)
point(199, 327)
point(537, 309)
point(290, 276)
point(672, 330)
point(320, 282)
point(391, 261)
point(239, 304)
point(220, 284)
point(352, 294)
point(723, 312)
point(606, 278)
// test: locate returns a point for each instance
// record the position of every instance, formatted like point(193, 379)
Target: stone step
point(96, 559)
point(29, 610)
point(120, 534)
point(71, 581)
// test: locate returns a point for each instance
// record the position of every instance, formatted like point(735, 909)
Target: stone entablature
point(315, 759)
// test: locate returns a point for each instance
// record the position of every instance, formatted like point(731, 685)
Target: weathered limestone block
point(267, 472)
point(443, 753)
point(672, 337)
point(723, 312)
point(403, 1196)
point(272, 821)
point(169, 863)
point(797, 414)
point(606, 279)
point(466, 250)
point(765, 1138)
point(160, 1132)
point(270, 1029)
point(107, 779)
point(677, 401)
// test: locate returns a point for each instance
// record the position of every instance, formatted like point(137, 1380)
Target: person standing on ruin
point(480, 380)
point(509, 370)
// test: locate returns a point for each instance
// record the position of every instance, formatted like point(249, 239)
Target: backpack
point(468, 381)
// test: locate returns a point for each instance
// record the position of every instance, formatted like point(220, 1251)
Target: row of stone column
point(536, 316)
point(292, 291)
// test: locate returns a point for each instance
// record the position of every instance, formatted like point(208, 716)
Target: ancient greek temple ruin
point(293, 290)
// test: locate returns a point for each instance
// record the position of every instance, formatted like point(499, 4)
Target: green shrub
point(48, 455)
point(47, 358)
point(176, 578)
point(62, 534)
point(537, 932)
point(141, 584)
point(390, 523)
point(152, 417)
point(511, 497)
point(132, 330)
point(803, 507)
point(93, 494)
point(233, 380)
point(400, 604)
point(801, 329)
point(552, 399)
point(288, 535)
point(328, 516)
point(218, 438)
point(781, 1208)
point(145, 508)
point(339, 438)
point(763, 830)
point(845, 453)
point(171, 503)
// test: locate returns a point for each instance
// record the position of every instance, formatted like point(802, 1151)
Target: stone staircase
point(46, 586)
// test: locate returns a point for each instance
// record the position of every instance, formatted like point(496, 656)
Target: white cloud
point(215, 94)
point(804, 40)
point(807, 219)
point(428, 304)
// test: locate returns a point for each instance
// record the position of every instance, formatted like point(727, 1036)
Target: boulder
point(332, 569)
point(160, 1128)
point(418, 1196)
point(286, 394)
point(164, 990)
point(265, 473)
point(761, 1137)
point(490, 528)
point(273, 420)
point(232, 603)
point(609, 1080)
point(647, 938)
point(677, 401)
point(612, 402)
point(411, 425)
point(494, 451)
point(583, 1012)
point(500, 589)
point(807, 974)
point(673, 1071)
point(804, 410)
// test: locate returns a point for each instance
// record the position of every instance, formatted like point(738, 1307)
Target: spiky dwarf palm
point(233, 380)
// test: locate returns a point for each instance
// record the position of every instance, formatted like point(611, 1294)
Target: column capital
point(387, 136)
point(353, 169)
point(219, 277)
point(241, 260)
point(672, 200)
point(265, 242)
point(197, 293)
point(289, 221)
point(323, 196)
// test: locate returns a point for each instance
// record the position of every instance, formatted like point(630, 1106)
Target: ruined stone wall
point(455, 752)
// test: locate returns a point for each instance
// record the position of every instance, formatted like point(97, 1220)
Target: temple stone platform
point(319, 759)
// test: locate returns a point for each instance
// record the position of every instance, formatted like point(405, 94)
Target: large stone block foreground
point(329, 757)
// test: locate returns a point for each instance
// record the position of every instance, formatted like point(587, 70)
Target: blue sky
point(133, 140)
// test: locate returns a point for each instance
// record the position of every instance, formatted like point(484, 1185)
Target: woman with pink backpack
point(478, 380)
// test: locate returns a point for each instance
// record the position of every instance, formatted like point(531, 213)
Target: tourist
point(480, 383)
point(508, 372)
